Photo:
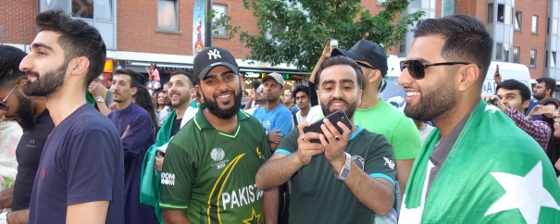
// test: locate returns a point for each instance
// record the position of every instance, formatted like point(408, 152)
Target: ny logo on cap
point(215, 54)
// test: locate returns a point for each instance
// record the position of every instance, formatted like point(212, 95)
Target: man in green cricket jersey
point(477, 166)
point(209, 172)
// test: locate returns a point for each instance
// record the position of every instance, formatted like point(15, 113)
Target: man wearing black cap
point(375, 114)
point(210, 166)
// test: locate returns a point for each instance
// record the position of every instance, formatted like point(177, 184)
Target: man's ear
point(79, 66)
point(468, 77)
point(526, 104)
point(134, 90)
point(375, 75)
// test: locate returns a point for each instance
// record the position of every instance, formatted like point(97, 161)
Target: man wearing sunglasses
point(477, 166)
point(375, 114)
point(31, 114)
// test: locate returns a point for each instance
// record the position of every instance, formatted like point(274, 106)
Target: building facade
point(138, 33)
point(524, 32)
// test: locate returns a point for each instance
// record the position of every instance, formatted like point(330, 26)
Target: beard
point(183, 99)
point(433, 104)
point(24, 112)
point(227, 113)
point(51, 83)
point(538, 97)
point(349, 111)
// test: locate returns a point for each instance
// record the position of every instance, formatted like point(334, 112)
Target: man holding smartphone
point(346, 178)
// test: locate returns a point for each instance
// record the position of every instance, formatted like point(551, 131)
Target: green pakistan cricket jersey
point(211, 174)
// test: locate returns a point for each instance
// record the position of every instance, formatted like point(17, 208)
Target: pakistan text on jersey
point(241, 197)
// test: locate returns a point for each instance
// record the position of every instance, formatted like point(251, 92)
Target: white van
point(515, 71)
point(393, 92)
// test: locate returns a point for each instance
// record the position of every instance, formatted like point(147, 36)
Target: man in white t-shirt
point(301, 96)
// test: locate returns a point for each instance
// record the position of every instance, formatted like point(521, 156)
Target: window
point(499, 51)
point(500, 13)
point(546, 59)
point(417, 3)
point(490, 13)
point(502, 52)
point(517, 22)
point(516, 55)
point(167, 14)
point(448, 7)
point(219, 12)
point(379, 2)
point(533, 60)
point(82, 9)
point(554, 26)
point(553, 59)
point(534, 24)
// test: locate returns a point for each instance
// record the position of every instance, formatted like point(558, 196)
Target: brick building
point(140, 32)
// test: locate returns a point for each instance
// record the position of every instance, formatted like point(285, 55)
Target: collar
point(202, 123)
point(127, 109)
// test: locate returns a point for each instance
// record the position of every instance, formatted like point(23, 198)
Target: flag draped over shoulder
point(495, 173)
point(150, 180)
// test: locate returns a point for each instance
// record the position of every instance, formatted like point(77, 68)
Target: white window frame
point(535, 24)
point(162, 15)
point(219, 11)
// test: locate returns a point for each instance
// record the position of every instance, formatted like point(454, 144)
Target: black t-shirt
point(176, 126)
point(28, 154)
point(82, 162)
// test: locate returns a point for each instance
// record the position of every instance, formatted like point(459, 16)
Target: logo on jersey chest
point(218, 154)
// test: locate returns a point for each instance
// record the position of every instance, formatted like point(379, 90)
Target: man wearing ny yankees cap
point(209, 172)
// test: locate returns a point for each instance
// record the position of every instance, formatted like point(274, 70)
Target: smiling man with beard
point(210, 166)
point(80, 175)
point(477, 166)
point(362, 162)
point(31, 114)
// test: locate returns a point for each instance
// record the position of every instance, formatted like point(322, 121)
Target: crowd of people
point(330, 152)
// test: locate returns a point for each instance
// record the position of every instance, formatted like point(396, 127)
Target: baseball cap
point(277, 77)
point(365, 50)
point(211, 57)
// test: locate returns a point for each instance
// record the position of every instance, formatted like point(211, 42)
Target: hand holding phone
point(333, 44)
point(334, 118)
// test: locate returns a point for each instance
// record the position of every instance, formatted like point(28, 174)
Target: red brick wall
point(526, 41)
point(18, 15)
point(137, 24)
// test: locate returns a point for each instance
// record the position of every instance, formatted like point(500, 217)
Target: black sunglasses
point(416, 68)
point(365, 65)
point(3, 105)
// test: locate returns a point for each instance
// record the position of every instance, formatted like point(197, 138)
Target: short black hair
point(340, 60)
point(512, 84)
point(466, 39)
point(298, 89)
point(10, 58)
point(185, 73)
point(549, 83)
point(255, 84)
point(77, 38)
point(134, 76)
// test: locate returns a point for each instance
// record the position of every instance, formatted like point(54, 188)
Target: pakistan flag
point(494, 173)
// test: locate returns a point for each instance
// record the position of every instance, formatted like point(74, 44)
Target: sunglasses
point(3, 105)
point(365, 65)
point(417, 69)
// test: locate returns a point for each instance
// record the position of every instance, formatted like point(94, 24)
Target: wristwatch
point(99, 100)
point(4, 218)
point(345, 169)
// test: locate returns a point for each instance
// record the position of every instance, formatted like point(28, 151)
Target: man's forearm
point(270, 205)
point(404, 166)
point(375, 194)
point(174, 216)
point(6, 197)
point(277, 171)
point(538, 130)
point(18, 217)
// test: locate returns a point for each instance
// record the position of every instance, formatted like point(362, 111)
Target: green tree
point(295, 31)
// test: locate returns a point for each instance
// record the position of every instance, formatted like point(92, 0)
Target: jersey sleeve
point(380, 162)
point(288, 145)
point(406, 140)
point(177, 177)
point(91, 167)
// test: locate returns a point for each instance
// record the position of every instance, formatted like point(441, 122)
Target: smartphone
point(547, 109)
point(334, 118)
point(333, 44)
